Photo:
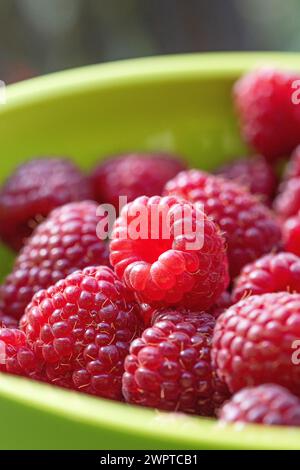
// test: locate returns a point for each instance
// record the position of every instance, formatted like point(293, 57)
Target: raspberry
point(291, 234)
point(169, 367)
point(270, 121)
point(254, 339)
point(254, 173)
point(271, 273)
point(249, 226)
point(16, 357)
point(222, 304)
point(133, 175)
point(33, 190)
point(65, 242)
point(267, 404)
point(7, 321)
point(169, 270)
point(80, 330)
point(287, 202)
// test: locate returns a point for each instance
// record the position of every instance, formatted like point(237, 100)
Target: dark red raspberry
point(267, 404)
point(270, 119)
point(291, 234)
point(254, 342)
point(33, 190)
point(223, 302)
point(169, 367)
point(253, 173)
point(271, 273)
point(15, 355)
point(133, 175)
point(248, 225)
point(65, 242)
point(184, 265)
point(80, 330)
point(287, 202)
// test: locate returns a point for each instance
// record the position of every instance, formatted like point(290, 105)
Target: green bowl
point(179, 104)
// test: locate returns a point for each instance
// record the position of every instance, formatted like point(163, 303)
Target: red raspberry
point(80, 330)
point(15, 355)
point(271, 273)
point(249, 226)
point(267, 404)
point(169, 367)
point(33, 190)
point(291, 234)
point(168, 270)
point(222, 304)
point(65, 242)
point(287, 202)
point(254, 339)
point(270, 121)
point(7, 321)
point(133, 175)
point(253, 173)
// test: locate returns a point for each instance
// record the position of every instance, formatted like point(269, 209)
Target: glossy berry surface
point(253, 173)
point(271, 273)
point(133, 175)
point(291, 234)
point(186, 264)
point(65, 242)
point(169, 367)
point(270, 120)
point(254, 342)
point(249, 226)
point(33, 190)
point(80, 330)
point(15, 355)
point(267, 404)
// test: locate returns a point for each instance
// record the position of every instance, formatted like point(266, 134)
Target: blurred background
point(41, 36)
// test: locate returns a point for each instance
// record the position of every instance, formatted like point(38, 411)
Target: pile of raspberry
point(190, 300)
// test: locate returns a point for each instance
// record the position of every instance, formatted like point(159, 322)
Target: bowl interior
point(180, 104)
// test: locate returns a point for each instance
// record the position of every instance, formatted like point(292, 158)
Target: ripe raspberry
point(33, 190)
point(188, 268)
point(254, 339)
point(169, 367)
point(270, 121)
point(65, 242)
point(253, 173)
point(287, 202)
point(267, 404)
point(271, 273)
point(7, 321)
point(249, 226)
point(291, 234)
point(15, 355)
point(80, 330)
point(222, 304)
point(133, 175)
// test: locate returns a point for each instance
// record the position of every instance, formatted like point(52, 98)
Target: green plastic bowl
point(180, 104)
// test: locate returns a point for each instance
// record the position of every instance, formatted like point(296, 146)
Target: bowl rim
point(170, 428)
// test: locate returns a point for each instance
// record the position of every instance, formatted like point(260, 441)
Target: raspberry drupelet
point(266, 404)
point(249, 226)
point(253, 173)
point(33, 191)
point(133, 175)
point(16, 357)
point(65, 242)
point(80, 330)
point(186, 265)
point(291, 234)
point(270, 120)
point(169, 367)
point(271, 273)
point(254, 341)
